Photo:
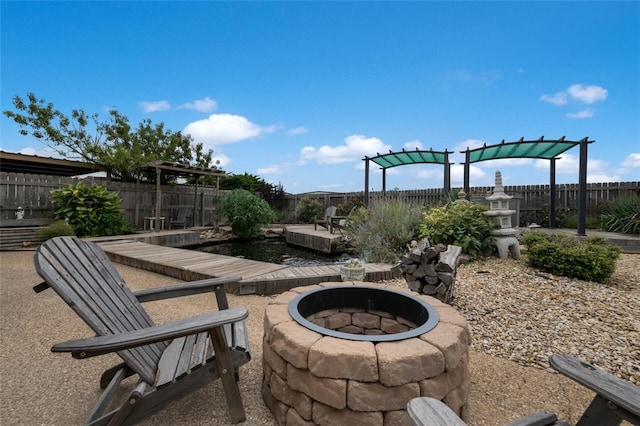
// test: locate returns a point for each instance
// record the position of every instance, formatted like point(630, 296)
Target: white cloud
point(224, 128)
point(457, 175)
point(559, 98)
point(431, 173)
point(270, 170)
point(565, 164)
point(570, 164)
point(485, 77)
point(412, 145)
point(587, 94)
point(203, 105)
point(601, 177)
point(45, 152)
point(154, 106)
point(220, 160)
point(587, 113)
point(354, 149)
point(297, 130)
point(632, 160)
point(580, 93)
point(27, 151)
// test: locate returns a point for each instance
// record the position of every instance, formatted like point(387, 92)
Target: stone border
point(312, 379)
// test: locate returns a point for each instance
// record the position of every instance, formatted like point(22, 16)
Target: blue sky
point(300, 92)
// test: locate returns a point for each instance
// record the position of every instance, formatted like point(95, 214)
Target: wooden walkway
point(257, 277)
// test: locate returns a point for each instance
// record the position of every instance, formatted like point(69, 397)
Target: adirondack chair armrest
point(185, 289)
point(100, 345)
point(426, 411)
point(617, 391)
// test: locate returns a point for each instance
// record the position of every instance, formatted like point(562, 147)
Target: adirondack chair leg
point(109, 390)
point(227, 375)
point(106, 377)
point(127, 407)
point(599, 413)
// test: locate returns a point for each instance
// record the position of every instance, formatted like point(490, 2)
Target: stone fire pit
point(356, 354)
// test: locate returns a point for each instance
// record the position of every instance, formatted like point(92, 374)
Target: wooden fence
point(32, 193)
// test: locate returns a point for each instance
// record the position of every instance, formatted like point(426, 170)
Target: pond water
point(273, 250)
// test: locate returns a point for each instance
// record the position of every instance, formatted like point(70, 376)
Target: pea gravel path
point(517, 316)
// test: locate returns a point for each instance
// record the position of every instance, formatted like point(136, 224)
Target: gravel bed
point(518, 313)
point(515, 313)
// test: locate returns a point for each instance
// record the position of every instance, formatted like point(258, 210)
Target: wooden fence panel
point(32, 193)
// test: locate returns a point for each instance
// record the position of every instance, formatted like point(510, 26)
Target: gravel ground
point(518, 317)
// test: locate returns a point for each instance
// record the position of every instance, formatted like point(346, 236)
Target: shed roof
point(11, 162)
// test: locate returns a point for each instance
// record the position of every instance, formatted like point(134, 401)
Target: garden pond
point(273, 250)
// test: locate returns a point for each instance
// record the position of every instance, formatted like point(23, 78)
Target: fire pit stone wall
point(313, 379)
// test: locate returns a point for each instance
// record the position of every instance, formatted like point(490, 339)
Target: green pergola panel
point(393, 159)
point(521, 149)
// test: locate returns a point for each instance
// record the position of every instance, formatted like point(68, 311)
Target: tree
point(113, 144)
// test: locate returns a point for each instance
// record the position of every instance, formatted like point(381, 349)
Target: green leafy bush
point(92, 211)
point(622, 215)
point(309, 210)
point(463, 225)
point(59, 228)
point(246, 213)
point(593, 259)
point(381, 231)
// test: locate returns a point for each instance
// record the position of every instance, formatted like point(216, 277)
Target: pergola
point(181, 170)
point(402, 158)
point(540, 149)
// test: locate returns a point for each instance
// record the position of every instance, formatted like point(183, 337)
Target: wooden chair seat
point(171, 359)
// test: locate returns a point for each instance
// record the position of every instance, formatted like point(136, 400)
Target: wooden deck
point(312, 237)
point(257, 277)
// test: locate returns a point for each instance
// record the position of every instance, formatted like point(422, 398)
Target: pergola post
point(447, 173)
point(158, 199)
point(467, 164)
point(582, 190)
point(552, 194)
point(366, 181)
point(384, 182)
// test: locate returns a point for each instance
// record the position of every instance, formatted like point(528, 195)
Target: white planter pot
point(352, 274)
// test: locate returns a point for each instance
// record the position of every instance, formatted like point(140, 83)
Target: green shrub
point(593, 259)
point(309, 210)
point(463, 225)
point(382, 230)
point(246, 213)
point(92, 211)
point(622, 215)
point(59, 228)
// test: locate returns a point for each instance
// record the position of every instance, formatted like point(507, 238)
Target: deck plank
point(257, 277)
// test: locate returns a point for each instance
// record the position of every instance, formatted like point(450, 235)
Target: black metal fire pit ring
point(413, 309)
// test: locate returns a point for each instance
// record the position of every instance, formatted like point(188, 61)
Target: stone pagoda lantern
point(504, 238)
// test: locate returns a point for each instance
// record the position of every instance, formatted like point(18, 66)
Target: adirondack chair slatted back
point(83, 276)
point(331, 211)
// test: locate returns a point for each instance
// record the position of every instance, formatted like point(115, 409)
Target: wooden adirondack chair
point(171, 359)
point(326, 221)
point(616, 400)
point(182, 218)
